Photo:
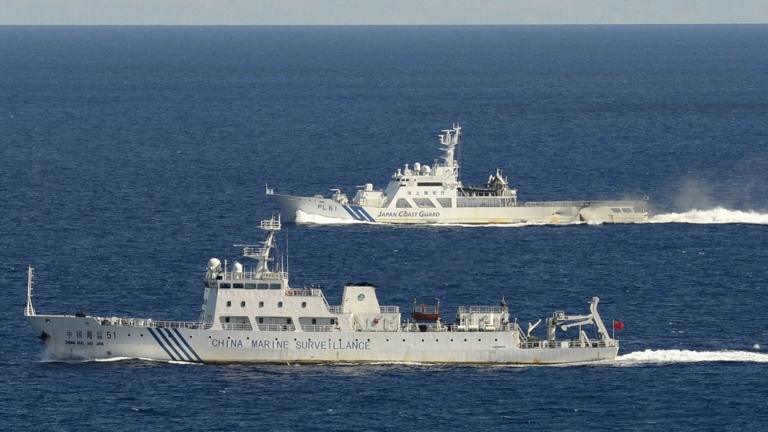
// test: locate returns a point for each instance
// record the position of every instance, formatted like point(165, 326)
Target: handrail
point(318, 328)
point(579, 203)
point(148, 322)
point(304, 292)
point(567, 343)
point(276, 327)
point(483, 309)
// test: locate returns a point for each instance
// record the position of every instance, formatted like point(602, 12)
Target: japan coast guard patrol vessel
point(254, 315)
point(428, 195)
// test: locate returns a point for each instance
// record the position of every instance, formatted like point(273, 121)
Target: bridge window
point(274, 286)
point(279, 304)
point(237, 285)
point(314, 320)
point(261, 304)
point(402, 203)
point(229, 303)
point(303, 304)
point(444, 202)
point(242, 304)
point(250, 286)
point(423, 202)
point(223, 285)
point(262, 286)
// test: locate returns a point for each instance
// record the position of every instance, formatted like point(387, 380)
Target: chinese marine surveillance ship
point(425, 194)
point(254, 315)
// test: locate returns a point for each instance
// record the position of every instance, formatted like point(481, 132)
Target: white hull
point(91, 338)
point(541, 213)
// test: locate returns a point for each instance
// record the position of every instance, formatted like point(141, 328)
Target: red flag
point(618, 325)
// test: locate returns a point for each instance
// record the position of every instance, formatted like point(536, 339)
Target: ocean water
point(131, 155)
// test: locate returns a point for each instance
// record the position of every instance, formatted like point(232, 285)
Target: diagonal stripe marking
point(161, 344)
point(351, 213)
point(366, 214)
point(173, 348)
point(189, 347)
point(180, 346)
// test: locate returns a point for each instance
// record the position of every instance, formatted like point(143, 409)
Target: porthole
point(229, 303)
point(279, 304)
point(261, 304)
point(360, 297)
point(242, 304)
point(303, 304)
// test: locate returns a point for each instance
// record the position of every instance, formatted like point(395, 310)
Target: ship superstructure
point(254, 315)
point(424, 194)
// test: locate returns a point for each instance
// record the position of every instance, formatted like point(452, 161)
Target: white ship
point(425, 194)
point(254, 315)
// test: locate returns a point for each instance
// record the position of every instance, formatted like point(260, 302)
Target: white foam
point(687, 356)
point(306, 218)
point(717, 215)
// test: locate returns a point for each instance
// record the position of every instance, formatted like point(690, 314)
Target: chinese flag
point(618, 325)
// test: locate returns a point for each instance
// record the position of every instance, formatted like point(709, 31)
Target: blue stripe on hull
point(351, 213)
point(186, 344)
point(163, 337)
point(159, 342)
point(178, 345)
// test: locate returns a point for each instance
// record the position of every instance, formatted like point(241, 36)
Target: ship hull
point(299, 209)
point(91, 338)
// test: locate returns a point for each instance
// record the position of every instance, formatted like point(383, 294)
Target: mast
point(30, 310)
point(262, 253)
point(450, 139)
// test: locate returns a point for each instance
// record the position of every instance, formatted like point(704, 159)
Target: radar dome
point(214, 264)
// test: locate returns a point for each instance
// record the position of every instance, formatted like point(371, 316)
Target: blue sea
point(131, 155)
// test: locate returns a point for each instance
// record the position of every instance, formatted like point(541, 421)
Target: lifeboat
point(425, 312)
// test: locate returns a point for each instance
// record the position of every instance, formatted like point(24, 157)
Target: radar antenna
point(261, 253)
point(450, 139)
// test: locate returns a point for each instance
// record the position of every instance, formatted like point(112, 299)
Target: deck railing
point(483, 309)
point(318, 328)
point(570, 343)
point(142, 322)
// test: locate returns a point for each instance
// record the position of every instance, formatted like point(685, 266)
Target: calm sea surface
point(131, 155)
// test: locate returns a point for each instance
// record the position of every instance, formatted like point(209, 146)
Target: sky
point(376, 12)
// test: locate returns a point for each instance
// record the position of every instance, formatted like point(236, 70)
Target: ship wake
point(650, 356)
point(718, 215)
point(311, 219)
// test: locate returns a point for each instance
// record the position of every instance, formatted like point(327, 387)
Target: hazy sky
point(382, 12)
